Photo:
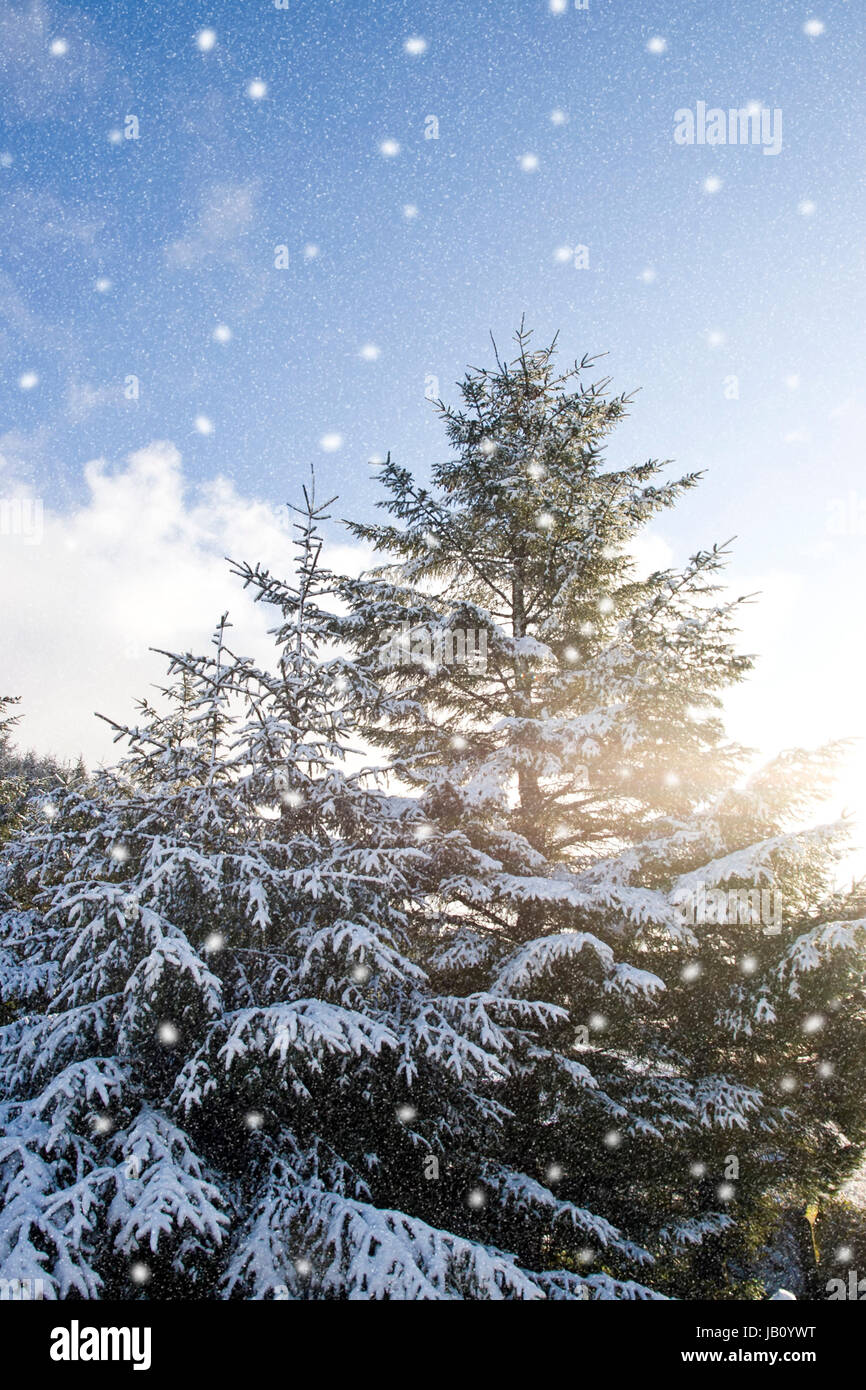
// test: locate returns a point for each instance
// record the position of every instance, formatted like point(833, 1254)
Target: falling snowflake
point(370, 353)
point(807, 208)
point(214, 941)
point(206, 39)
point(612, 1139)
point(545, 521)
point(814, 28)
point(712, 184)
point(410, 211)
point(415, 46)
point(311, 251)
point(558, 116)
point(657, 44)
point(59, 48)
point(406, 1114)
point(725, 1191)
point(139, 1272)
point(254, 1119)
point(331, 442)
point(27, 381)
point(698, 1170)
point(222, 333)
point(476, 1199)
point(167, 1034)
point(203, 425)
point(529, 163)
point(257, 89)
point(389, 148)
point(691, 972)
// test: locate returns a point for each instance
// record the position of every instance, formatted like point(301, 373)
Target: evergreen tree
point(234, 1078)
point(592, 845)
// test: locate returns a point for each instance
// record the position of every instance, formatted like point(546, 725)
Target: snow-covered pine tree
point(233, 1078)
point(556, 714)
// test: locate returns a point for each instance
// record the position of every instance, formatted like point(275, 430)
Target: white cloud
point(224, 217)
point(140, 563)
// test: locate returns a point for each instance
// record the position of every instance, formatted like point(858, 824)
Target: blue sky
point(121, 257)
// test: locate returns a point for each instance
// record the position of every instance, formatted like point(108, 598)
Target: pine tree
point(234, 1078)
point(593, 845)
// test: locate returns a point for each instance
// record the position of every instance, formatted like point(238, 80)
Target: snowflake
point(331, 442)
point(214, 941)
point(369, 352)
point(712, 184)
point(203, 424)
point(698, 1170)
point(657, 44)
point(222, 333)
point(257, 89)
point(725, 1191)
point(59, 48)
point(558, 116)
point(167, 1034)
point(406, 1114)
point(389, 148)
point(27, 380)
point(476, 1199)
point(529, 163)
point(813, 28)
point(415, 46)
point(612, 1139)
point(206, 39)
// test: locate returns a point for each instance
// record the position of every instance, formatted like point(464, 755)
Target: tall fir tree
point(233, 1078)
point(596, 844)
